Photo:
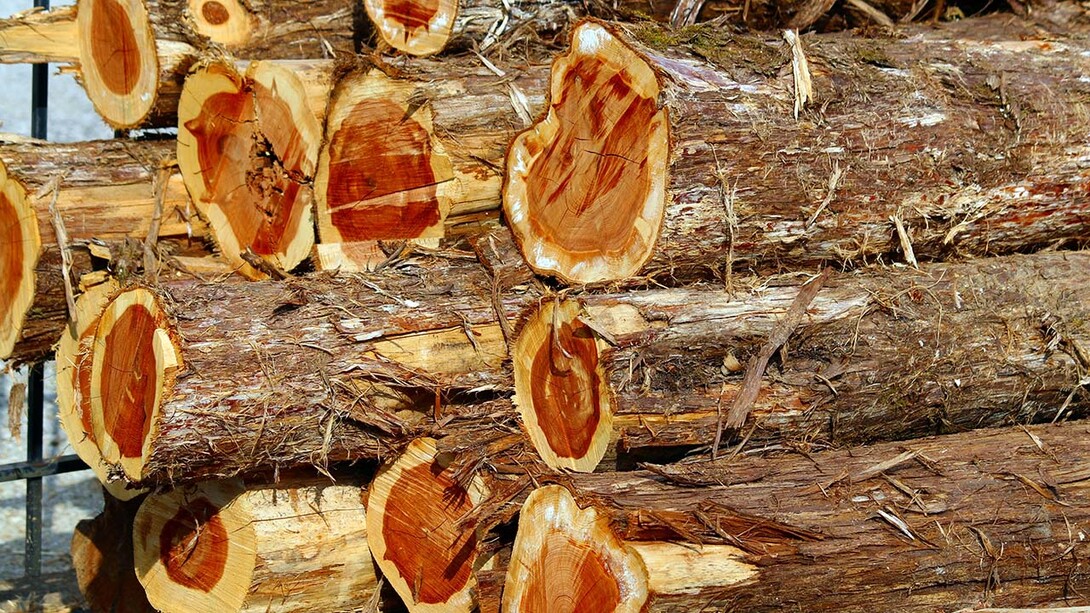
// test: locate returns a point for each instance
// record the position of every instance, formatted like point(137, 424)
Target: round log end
point(226, 22)
point(566, 559)
point(194, 549)
point(133, 361)
point(247, 148)
point(585, 188)
point(20, 246)
point(561, 389)
point(119, 63)
point(382, 175)
point(414, 509)
point(416, 27)
point(74, 386)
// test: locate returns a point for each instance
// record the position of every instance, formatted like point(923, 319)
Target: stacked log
point(690, 317)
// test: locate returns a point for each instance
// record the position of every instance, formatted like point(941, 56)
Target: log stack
point(582, 312)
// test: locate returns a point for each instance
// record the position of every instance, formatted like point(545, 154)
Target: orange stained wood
point(113, 47)
point(193, 546)
point(566, 398)
point(255, 184)
point(11, 255)
point(421, 512)
point(215, 13)
point(413, 15)
point(129, 379)
point(82, 376)
point(590, 183)
point(381, 183)
point(569, 577)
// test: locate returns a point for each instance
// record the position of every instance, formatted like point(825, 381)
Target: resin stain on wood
point(414, 511)
point(568, 560)
point(585, 189)
point(561, 389)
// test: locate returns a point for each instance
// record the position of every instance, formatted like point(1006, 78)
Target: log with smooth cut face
point(585, 188)
point(567, 560)
point(381, 174)
point(119, 63)
point(133, 362)
point(414, 508)
point(195, 548)
point(226, 22)
point(74, 359)
point(20, 245)
point(561, 388)
point(417, 27)
point(247, 145)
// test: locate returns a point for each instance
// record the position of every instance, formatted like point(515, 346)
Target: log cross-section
point(20, 246)
point(561, 388)
point(567, 559)
point(415, 509)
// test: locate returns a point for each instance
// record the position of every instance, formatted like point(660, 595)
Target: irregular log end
point(382, 174)
point(585, 187)
point(226, 22)
point(566, 559)
point(74, 386)
point(102, 556)
point(247, 147)
point(133, 361)
point(414, 508)
point(195, 549)
point(119, 63)
point(20, 246)
point(561, 389)
point(416, 27)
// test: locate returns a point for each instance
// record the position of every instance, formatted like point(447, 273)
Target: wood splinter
point(414, 511)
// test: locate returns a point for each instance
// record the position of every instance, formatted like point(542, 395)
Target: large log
point(132, 55)
point(106, 191)
point(655, 161)
point(103, 561)
point(223, 546)
point(248, 138)
point(205, 380)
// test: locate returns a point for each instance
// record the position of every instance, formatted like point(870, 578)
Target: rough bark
point(344, 367)
point(988, 517)
point(971, 144)
point(106, 194)
point(103, 561)
point(228, 547)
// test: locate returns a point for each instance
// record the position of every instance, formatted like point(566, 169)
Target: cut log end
point(382, 175)
point(194, 550)
point(561, 388)
point(566, 559)
point(74, 386)
point(414, 510)
point(585, 189)
point(416, 27)
point(20, 246)
point(133, 362)
point(119, 63)
point(247, 147)
point(226, 22)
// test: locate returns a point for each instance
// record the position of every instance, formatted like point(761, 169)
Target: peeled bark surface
point(223, 546)
point(103, 561)
point(107, 192)
point(973, 144)
point(346, 367)
point(988, 518)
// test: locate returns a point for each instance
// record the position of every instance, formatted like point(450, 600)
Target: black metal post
point(32, 563)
